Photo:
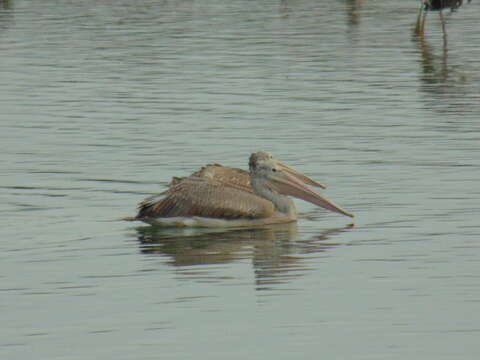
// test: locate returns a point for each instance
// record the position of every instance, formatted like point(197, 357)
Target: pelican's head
point(262, 156)
point(257, 157)
point(285, 180)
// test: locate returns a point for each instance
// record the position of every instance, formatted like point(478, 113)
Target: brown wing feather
point(226, 175)
point(198, 196)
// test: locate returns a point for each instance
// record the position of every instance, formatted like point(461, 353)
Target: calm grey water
point(103, 102)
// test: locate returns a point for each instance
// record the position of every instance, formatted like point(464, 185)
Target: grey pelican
point(219, 196)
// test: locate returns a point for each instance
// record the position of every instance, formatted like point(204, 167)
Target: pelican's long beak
point(298, 174)
point(288, 183)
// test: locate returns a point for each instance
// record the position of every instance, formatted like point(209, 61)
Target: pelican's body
point(218, 196)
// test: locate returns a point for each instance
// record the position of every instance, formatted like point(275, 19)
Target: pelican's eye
point(274, 170)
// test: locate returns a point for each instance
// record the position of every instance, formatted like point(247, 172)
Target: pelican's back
point(226, 175)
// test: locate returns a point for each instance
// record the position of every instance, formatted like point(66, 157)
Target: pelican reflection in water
point(218, 196)
point(271, 246)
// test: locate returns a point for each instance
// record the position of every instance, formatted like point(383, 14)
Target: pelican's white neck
point(282, 203)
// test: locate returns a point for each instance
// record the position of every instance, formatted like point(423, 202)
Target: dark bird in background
point(435, 5)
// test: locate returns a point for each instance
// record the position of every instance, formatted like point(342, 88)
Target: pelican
point(219, 196)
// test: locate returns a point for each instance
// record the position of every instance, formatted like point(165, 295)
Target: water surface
point(102, 103)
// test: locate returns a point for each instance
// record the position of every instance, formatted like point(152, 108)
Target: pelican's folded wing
point(204, 197)
point(226, 175)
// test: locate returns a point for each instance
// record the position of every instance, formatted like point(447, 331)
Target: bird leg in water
point(420, 24)
point(444, 30)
